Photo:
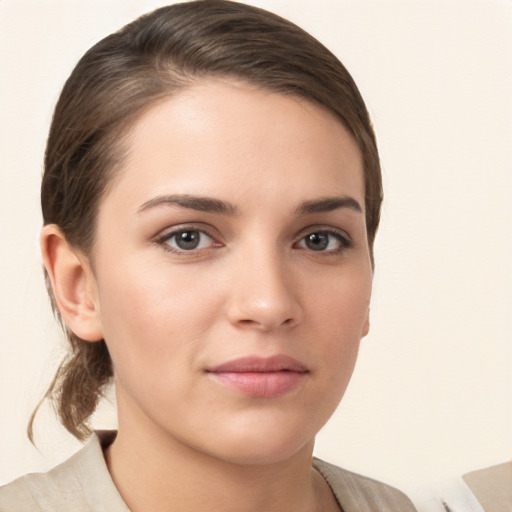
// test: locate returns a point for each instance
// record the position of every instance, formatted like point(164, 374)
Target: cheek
point(340, 305)
point(153, 318)
point(340, 311)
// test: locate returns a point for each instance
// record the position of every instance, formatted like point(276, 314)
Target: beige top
point(83, 484)
point(492, 487)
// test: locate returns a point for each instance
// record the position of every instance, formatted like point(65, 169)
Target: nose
point(264, 294)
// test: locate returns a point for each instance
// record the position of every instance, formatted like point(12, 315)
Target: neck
point(156, 472)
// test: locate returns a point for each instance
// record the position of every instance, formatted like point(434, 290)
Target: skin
point(252, 287)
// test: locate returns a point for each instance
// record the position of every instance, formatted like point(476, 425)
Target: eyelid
point(317, 228)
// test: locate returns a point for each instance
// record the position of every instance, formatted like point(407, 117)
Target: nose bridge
point(265, 296)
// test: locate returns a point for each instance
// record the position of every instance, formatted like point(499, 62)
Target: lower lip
point(260, 384)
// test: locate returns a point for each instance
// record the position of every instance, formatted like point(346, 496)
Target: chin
point(261, 452)
point(259, 443)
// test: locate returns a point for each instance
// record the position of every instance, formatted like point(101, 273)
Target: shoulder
point(41, 491)
point(17, 496)
point(82, 483)
point(492, 486)
point(357, 493)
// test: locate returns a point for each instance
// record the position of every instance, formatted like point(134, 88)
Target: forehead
point(224, 137)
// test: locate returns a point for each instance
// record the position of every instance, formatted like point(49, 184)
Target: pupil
point(317, 241)
point(187, 240)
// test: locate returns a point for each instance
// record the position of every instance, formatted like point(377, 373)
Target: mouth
point(260, 377)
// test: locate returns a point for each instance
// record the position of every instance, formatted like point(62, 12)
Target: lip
point(260, 377)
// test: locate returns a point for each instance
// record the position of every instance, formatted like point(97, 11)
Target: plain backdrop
point(431, 396)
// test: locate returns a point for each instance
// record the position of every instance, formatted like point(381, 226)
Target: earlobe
point(73, 283)
point(366, 326)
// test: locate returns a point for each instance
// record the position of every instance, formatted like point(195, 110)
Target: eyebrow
point(199, 203)
point(328, 204)
point(212, 205)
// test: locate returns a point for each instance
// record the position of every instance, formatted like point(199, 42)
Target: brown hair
point(121, 76)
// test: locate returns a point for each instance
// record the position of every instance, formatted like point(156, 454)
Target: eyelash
point(164, 240)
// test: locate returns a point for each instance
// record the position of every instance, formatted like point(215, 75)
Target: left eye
point(324, 241)
point(188, 240)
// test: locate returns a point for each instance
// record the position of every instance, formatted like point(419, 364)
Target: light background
point(431, 397)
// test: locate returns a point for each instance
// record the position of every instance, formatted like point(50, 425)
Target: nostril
point(268, 324)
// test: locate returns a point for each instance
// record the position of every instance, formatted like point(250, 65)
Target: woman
point(211, 196)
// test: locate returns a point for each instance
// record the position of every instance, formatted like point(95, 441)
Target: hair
point(123, 75)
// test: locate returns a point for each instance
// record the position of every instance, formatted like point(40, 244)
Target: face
point(232, 271)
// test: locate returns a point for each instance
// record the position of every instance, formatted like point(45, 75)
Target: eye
point(324, 241)
point(186, 240)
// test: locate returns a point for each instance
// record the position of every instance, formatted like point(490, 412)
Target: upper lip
point(254, 364)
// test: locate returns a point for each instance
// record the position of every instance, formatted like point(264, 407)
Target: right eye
point(186, 240)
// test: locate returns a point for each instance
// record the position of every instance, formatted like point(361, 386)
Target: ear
point(366, 325)
point(73, 283)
